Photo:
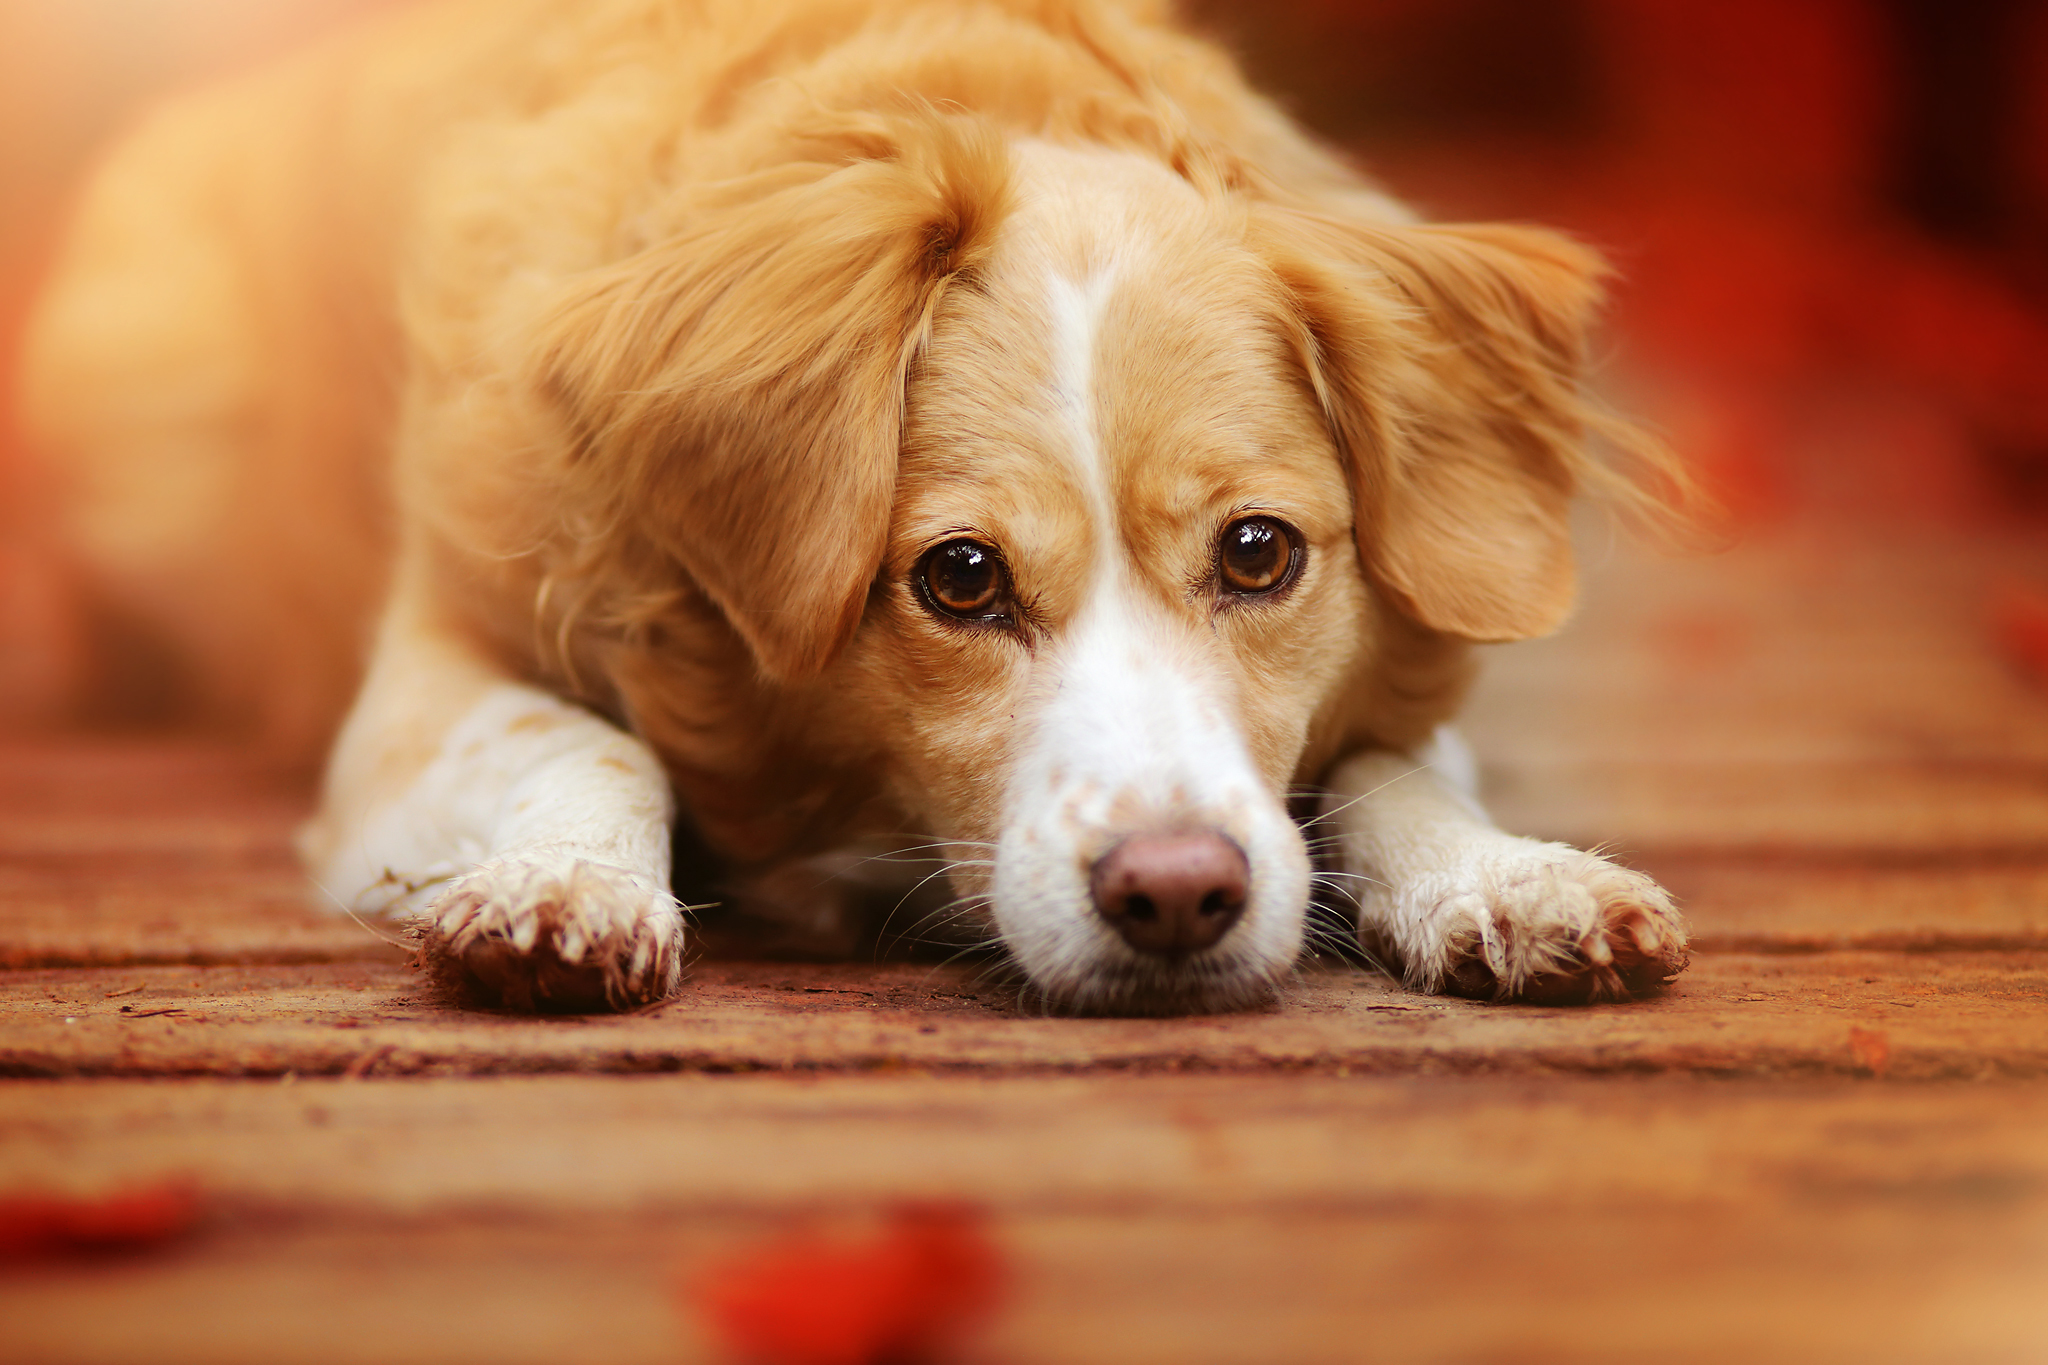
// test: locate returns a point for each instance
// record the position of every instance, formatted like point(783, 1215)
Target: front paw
point(550, 931)
point(1542, 923)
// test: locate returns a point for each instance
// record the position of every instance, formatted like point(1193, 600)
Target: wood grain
point(1822, 1144)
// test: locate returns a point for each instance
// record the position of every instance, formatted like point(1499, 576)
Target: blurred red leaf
point(2019, 620)
point(926, 1279)
point(44, 1225)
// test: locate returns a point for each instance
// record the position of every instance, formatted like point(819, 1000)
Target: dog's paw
point(1542, 923)
point(554, 932)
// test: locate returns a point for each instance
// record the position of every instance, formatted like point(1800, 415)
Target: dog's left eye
point(966, 579)
point(1258, 555)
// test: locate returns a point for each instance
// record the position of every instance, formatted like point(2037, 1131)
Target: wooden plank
point(1673, 1283)
point(1811, 904)
point(1811, 689)
point(1149, 1219)
point(164, 914)
point(1879, 811)
point(157, 850)
point(1814, 642)
point(259, 1290)
point(106, 795)
point(563, 1144)
point(1847, 1014)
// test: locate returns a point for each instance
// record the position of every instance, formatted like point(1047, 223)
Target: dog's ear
point(1448, 361)
point(734, 393)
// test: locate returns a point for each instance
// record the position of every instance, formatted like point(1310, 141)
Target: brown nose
point(1171, 894)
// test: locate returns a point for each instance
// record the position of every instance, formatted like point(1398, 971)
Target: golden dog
point(984, 423)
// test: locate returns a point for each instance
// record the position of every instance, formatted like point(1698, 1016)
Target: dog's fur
point(633, 352)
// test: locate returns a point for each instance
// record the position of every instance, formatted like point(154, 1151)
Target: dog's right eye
point(965, 579)
point(1258, 557)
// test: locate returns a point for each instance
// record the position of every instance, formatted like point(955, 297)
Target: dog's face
point(1080, 487)
point(1120, 582)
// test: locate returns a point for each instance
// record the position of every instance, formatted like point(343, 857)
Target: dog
point(983, 424)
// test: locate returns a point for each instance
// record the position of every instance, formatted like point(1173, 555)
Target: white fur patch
point(1075, 310)
point(1133, 736)
point(1460, 903)
point(523, 771)
point(533, 848)
point(1130, 739)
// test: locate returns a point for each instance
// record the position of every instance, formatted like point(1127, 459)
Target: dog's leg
point(1470, 910)
point(529, 838)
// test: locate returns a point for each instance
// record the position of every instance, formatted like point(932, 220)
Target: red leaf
point(2019, 619)
point(44, 1225)
point(926, 1279)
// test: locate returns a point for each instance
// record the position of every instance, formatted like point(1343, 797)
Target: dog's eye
point(1258, 555)
point(966, 579)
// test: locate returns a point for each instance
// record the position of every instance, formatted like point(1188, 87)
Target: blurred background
point(1830, 217)
point(1830, 224)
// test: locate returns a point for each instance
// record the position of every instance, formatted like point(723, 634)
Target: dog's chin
point(1149, 991)
point(1124, 984)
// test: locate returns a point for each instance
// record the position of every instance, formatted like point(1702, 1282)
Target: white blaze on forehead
point(1074, 310)
point(1086, 229)
point(1135, 712)
point(1138, 720)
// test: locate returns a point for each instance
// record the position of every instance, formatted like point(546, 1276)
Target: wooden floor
point(1829, 1142)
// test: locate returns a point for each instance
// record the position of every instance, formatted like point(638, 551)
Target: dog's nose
point(1171, 894)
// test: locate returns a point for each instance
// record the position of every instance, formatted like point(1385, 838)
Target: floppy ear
point(1448, 361)
point(734, 394)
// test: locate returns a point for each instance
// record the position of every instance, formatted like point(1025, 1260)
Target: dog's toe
point(557, 933)
point(1545, 925)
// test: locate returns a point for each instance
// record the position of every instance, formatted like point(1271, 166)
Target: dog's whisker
point(902, 855)
point(931, 922)
point(962, 952)
point(361, 923)
point(905, 898)
point(1375, 791)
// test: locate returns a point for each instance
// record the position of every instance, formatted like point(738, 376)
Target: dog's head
point(1090, 493)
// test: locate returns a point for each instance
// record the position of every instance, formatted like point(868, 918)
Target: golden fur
point(654, 340)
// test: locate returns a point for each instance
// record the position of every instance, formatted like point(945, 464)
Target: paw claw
point(554, 932)
point(1542, 923)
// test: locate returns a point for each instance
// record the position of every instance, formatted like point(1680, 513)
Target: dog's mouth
point(1220, 983)
point(1153, 990)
